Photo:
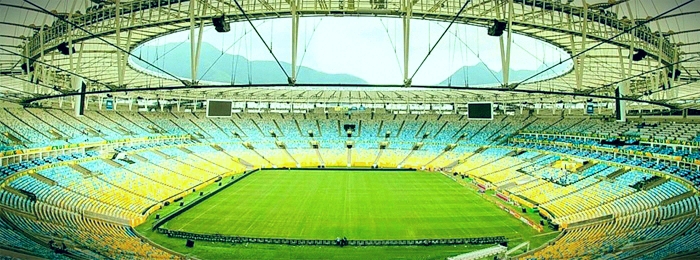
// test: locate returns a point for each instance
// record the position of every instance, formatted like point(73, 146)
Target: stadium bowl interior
point(381, 129)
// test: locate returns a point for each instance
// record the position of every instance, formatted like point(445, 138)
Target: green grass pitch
point(326, 204)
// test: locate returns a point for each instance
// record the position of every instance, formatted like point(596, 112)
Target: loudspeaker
point(639, 55)
point(27, 68)
point(201, 193)
point(675, 74)
point(220, 24)
point(524, 210)
point(157, 216)
point(496, 28)
point(218, 21)
point(182, 203)
point(542, 222)
point(189, 243)
point(64, 49)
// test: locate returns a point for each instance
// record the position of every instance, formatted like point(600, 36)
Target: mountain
point(221, 67)
point(216, 66)
point(480, 74)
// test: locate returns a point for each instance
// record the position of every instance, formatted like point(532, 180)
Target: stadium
point(343, 129)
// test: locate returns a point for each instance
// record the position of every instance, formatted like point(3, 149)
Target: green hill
point(227, 68)
point(480, 74)
point(215, 66)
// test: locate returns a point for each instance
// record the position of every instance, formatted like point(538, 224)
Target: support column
point(620, 105)
point(580, 61)
point(117, 25)
point(78, 67)
point(505, 54)
point(78, 85)
point(25, 86)
point(124, 61)
point(673, 92)
point(70, 35)
point(199, 42)
point(554, 108)
point(193, 46)
point(622, 88)
point(663, 78)
point(574, 49)
point(406, 19)
point(295, 42)
point(39, 71)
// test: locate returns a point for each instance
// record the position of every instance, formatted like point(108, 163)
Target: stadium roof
point(599, 35)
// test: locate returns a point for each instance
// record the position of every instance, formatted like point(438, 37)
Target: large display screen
point(219, 108)
point(109, 104)
point(589, 108)
point(480, 111)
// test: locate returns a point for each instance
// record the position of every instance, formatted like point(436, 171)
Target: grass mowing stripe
point(196, 218)
point(359, 205)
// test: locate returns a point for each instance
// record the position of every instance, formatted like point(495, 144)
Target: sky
point(372, 47)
